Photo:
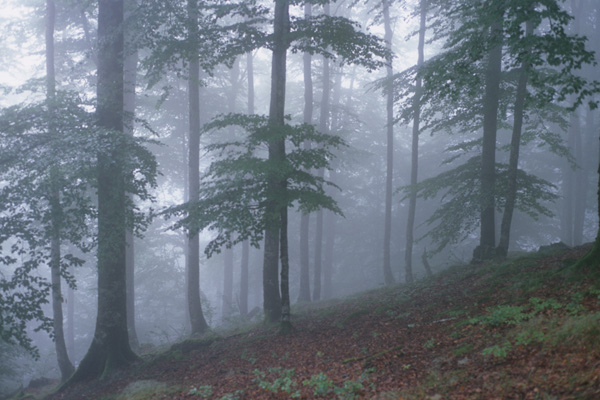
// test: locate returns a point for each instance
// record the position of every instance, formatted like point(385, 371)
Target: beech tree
point(452, 99)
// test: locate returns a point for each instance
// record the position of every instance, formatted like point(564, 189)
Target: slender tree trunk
point(227, 305)
point(487, 239)
point(324, 128)
point(130, 71)
point(513, 164)
point(304, 294)
point(286, 323)
point(64, 363)
point(388, 276)
point(243, 300)
point(281, 29)
point(70, 336)
point(414, 166)
point(330, 218)
point(110, 346)
point(197, 320)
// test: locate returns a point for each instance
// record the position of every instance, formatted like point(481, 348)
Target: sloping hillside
point(526, 328)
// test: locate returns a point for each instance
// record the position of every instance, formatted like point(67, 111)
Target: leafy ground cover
point(527, 328)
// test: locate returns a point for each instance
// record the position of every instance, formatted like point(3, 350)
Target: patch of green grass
point(204, 391)
point(284, 381)
point(501, 315)
point(463, 349)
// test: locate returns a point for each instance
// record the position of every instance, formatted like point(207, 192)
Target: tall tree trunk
point(197, 320)
point(110, 346)
point(227, 305)
point(324, 128)
point(70, 336)
point(487, 239)
point(414, 165)
point(286, 323)
point(64, 363)
point(129, 83)
point(388, 276)
point(515, 145)
point(304, 294)
point(243, 299)
point(281, 29)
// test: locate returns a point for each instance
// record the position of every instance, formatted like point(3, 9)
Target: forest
point(198, 180)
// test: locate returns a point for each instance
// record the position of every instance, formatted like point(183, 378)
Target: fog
point(558, 146)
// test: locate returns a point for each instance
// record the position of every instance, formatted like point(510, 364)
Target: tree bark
point(130, 71)
point(281, 29)
point(56, 212)
point(515, 145)
point(414, 166)
point(227, 298)
point(388, 276)
point(243, 299)
point(323, 128)
point(304, 294)
point(197, 319)
point(487, 239)
point(110, 346)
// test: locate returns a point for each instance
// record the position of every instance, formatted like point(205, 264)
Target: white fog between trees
point(170, 168)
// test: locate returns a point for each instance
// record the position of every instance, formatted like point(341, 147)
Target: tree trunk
point(304, 294)
point(414, 166)
point(487, 239)
point(243, 299)
point(197, 320)
point(129, 83)
point(323, 128)
point(388, 276)
point(281, 29)
point(56, 212)
point(515, 145)
point(110, 346)
point(226, 307)
point(70, 336)
point(286, 323)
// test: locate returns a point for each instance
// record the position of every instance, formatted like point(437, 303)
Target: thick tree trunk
point(281, 29)
point(414, 166)
point(388, 276)
point(64, 363)
point(110, 346)
point(487, 239)
point(513, 163)
point(304, 294)
point(197, 320)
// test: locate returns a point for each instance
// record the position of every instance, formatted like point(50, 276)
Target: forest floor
point(526, 328)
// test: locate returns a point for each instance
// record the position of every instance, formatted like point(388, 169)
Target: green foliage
point(283, 382)
point(457, 217)
point(334, 35)
point(322, 385)
point(501, 315)
point(204, 391)
point(236, 189)
point(31, 214)
point(498, 351)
